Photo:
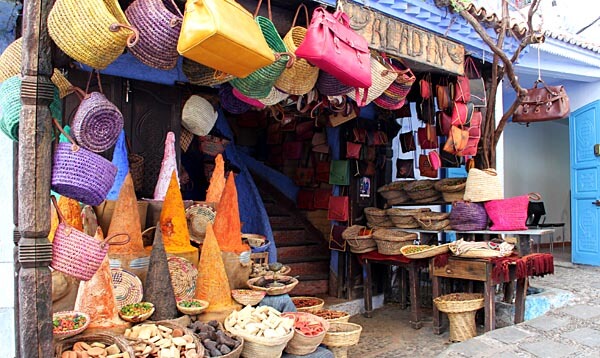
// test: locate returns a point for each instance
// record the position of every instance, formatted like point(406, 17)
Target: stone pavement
point(570, 331)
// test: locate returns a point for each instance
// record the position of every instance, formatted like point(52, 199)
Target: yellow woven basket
point(93, 32)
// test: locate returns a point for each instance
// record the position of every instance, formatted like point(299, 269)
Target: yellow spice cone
point(212, 284)
point(228, 227)
point(173, 223)
point(96, 297)
point(217, 181)
point(70, 210)
point(126, 219)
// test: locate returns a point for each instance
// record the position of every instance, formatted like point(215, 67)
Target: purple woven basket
point(231, 103)
point(328, 85)
point(97, 123)
point(159, 25)
point(81, 175)
point(467, 216)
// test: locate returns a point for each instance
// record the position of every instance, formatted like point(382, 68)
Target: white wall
point(6, 249)
point(536, 159)
point(582, 93)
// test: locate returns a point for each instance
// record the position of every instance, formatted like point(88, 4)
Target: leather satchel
point(545, 103)
point(322, 198)
point(405, 168)
point(462, 113)
point(450, 160)
point(305, 130)
point(353, 150)
point(435, 160)
point(462, 90)
point(474, 135)
point(425, 167)
point(338, 208)
point(457, 140)
point(221, 34)
point(304, 176)
point(427, 137)
point(443, 123)
point(336, 240)
point(442, 95)
point(322, 169)
point(335, 48)
point(339, 173)
point(476, 84)
point(407, 142)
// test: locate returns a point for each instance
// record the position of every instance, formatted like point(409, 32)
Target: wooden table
point(476, 270)
point(411, 266)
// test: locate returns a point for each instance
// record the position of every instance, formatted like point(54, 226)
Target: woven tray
point(429, 252)
point(419, 185)
point(183, 276)
point(319, 303)
point(126, 286)
point(104, 338)
point(400, 200)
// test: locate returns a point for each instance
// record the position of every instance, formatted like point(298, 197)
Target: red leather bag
point(323, 168)
point(338, 208)
point(435, 159)
point(335, 48)
point(427, 137)
point(305, 199)
point(305, 130)
point(474, 135)
point(443, 122)
point(462, 90)
point(322, 198)
point(353, 150)
point(462, 113)
point(425, 167)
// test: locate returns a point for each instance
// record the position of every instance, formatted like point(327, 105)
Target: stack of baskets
point(389, 242)
point(433, 221)
point(394, 193)
point(340, 336)
point(452, 189)
point(377, 218)
point(360, 239)
point(422, 191)
point(461, 308)
point(404, 218)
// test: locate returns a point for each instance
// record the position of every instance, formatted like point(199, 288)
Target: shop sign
point(401, 39)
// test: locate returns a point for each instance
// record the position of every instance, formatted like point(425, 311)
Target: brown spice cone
point(126, 219)
point(159, 289)
point(96, 297)
point(212, 284)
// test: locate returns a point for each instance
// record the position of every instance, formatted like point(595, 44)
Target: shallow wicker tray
point(72, 332)
point(248, 297)
point(430, 252)
point(309, 309)
point(273, 291)
point(192, 310)
point(100, 337)
point(419, 185)
point(137, 318)
point(468, 302)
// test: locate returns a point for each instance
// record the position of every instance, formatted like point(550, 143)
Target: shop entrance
point(584, 130)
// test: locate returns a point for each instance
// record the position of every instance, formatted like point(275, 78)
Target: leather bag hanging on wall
point(336, 240)
point(335, 48)
point(218, 33)
point(474, 135)
point(322, 169)
point(545, 103)
point(442, 95)
point(407, 139)
point(425, 167)
point(322, 198)
point(462, 90)
point(339, 172)
point(462, 113)
point(338, 209)
point(305, 199)
point(353, 150)
point(450, 160)
point(476, 84)
point(405, 168)
point(457, 140)
point(427, 137)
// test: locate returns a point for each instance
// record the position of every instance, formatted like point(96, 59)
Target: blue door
point(584, 133)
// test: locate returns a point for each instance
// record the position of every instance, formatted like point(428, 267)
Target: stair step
point(301, 251)
point(274, 209)
point(308, 267)
point(314, 285)
point(282, 236)
point(285, 222)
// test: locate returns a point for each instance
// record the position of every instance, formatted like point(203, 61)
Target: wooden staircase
point(299, 244)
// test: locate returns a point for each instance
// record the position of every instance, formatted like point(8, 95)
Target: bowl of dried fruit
point(192, 307)
point(273, 285)
point(69, 323)
point(308, 304)
point(332, 315)
point(136, 312)
point(423, 251)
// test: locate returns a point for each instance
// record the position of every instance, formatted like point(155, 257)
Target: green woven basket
point(10, 107)
point(258, 84)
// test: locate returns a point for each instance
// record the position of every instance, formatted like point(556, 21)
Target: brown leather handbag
point(425, 167)
point(545, 103)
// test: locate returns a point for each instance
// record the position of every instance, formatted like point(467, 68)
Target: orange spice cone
point(125, 219)
point(96, 297)
point(228, 227)
point(217, 181)
point(173, 222)
point(167, 167)
point(71, 210)
point(159, 288)
point(212, 284)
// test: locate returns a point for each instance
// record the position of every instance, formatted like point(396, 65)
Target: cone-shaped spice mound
point(217, 181)
point(126, 219)
point(168, 165)
point(70, 210)
point(159, 289)
point(212, 284)
point(227, 227)
point(97, 298)
point(120, 161)
point(173, 222)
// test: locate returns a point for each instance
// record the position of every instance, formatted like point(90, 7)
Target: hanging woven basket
point(200, 75)
point(159, 25)
point(93, 32)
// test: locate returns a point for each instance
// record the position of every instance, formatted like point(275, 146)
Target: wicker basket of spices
point(360, 239)
point(389, 242)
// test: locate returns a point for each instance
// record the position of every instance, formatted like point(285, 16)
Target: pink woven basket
point(75, 253)
point(511, 213)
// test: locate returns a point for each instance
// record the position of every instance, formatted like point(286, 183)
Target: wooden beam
point(33, 185)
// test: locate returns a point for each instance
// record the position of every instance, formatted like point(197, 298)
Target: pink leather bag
point(335, 48)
